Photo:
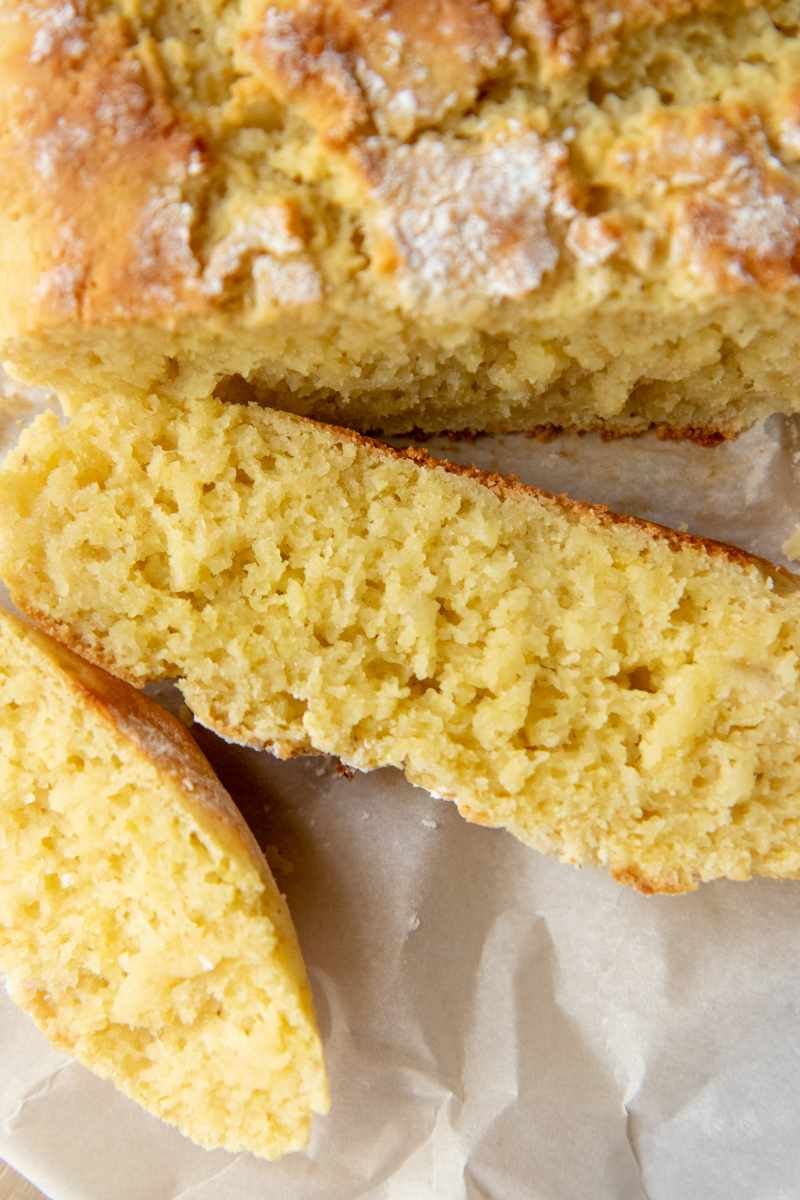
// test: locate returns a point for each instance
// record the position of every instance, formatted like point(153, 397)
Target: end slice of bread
point(139, 923)
point(611, 692)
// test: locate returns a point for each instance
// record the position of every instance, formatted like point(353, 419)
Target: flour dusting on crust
point(468, 222)
point(61, 29)
point(735, 206)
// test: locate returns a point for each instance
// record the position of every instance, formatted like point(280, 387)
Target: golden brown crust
point(570, 35)
point(332, 173)
point(634, 877)
point(93, 150)
point(731, 205)
point(395, 67)
point(573, 35)
point(697, 434)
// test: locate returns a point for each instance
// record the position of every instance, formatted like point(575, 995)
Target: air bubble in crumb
point(413, 923)
point(429, 823)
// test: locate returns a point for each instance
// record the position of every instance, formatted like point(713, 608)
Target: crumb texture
point(139, 924)
point(463, 214)
point(610, 692)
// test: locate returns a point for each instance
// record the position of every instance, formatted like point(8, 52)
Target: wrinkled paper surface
point(497, 1026)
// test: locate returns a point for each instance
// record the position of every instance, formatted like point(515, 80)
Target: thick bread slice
point(449, 214)
point(139, 923)
point(609, 691)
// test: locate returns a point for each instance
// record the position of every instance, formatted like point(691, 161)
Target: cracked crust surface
point(486, 214)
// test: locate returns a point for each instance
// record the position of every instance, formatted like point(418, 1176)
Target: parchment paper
point(497, 1026)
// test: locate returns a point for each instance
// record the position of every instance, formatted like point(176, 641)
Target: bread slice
point(449, 214)
point(139, 923)
point(609, 691)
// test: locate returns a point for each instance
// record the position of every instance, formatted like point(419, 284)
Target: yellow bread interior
point(610, 692)
point(450, 214)
point(139, 923)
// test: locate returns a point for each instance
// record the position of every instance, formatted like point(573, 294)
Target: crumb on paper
point(791, 547)
point(429, 823)
point(413, 923)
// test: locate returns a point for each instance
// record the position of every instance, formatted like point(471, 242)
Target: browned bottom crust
point(697, 434)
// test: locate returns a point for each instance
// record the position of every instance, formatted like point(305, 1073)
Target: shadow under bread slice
point(611, 692)
point(139, 923)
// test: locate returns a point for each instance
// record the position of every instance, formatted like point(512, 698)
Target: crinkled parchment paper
point(496, 1025)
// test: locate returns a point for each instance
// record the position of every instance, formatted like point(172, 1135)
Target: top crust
point(397, 67)
point(116, 134)
point(328, 172)
point(569, 35)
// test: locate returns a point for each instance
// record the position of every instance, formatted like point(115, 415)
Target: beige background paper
point(498, 1026)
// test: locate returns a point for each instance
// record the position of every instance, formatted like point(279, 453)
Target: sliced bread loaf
point(139, 923)
point(608, 690)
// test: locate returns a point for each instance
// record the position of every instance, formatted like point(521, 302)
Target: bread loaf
point(456, 214)
point(139, 923)
point(611, 692)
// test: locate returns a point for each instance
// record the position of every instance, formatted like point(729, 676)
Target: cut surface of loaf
point(458, 214)
point(611, 692)
point(139, 923)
